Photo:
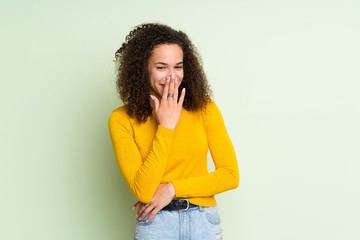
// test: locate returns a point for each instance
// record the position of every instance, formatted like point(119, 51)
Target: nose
point(171, 71)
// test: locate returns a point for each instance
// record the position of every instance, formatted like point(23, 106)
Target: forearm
point(226, 176)
point(144, 182)
point(216, 182)
point(142, 175)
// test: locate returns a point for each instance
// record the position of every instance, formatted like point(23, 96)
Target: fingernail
point(146, 221)
point(183, 90)
point(133, 208)
point(176, 80)
point(168, 79)
point(173, 75)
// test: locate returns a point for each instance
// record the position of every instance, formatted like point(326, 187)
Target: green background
point(285, 76)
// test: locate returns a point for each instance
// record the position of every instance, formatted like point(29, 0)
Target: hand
point(168, 109)
point(162, 197)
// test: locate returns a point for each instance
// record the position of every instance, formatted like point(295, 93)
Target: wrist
point(172, 189)
point(168, 126)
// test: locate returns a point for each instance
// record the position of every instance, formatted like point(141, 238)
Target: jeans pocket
point(212, 215)
point(143, 222)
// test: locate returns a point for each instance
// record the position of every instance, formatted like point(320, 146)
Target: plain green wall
point(286, 78)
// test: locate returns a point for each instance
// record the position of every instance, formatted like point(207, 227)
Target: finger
point(156, 102)
point(146, 212)
point(136, 205)
point(176, 90)
point(177, 82)
point(152, 215)
point(182, 96)
point(166, 88)
point(140, 211)
point(172, 85)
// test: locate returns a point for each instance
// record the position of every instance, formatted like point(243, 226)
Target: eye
point(160, 68)
point(179, 67)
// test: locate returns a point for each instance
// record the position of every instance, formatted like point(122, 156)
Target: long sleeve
point(143, 176)
point(226, 174)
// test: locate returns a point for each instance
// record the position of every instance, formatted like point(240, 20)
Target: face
point(165, 60)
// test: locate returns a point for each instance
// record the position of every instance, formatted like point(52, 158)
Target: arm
point(226, 174)
point(143, 178)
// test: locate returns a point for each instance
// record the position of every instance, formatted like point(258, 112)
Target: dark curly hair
point(133, 76)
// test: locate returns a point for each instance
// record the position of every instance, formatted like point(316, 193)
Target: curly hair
point(132, 72)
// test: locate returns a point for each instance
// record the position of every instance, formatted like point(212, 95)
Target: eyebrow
point(162, 63)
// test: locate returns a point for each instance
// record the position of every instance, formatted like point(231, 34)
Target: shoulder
point(211, 108)
point(211, 114)
point(119, 115)
point(122, 110)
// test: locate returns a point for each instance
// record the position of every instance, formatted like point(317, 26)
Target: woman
point(162, 134)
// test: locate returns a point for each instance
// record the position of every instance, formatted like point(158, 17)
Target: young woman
point(161, 136)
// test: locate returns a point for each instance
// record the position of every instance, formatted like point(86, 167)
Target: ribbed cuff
point(179, 188)
point(166, 132)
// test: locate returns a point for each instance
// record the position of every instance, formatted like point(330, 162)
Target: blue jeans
point(196, 223)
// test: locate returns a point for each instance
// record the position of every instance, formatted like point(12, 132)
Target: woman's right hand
point(162, 197)
point(168, 109)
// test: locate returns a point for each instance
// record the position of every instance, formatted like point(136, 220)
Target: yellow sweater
point(148, 154)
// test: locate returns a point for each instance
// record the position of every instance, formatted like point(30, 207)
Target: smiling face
point(165, 60)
